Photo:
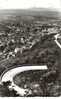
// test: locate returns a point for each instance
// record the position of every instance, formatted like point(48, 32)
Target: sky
point(24, 4)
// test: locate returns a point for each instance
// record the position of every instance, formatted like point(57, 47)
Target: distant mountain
point(32, 12)
point(42, 9)
point(45, 12)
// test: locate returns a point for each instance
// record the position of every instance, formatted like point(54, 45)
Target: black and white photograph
point(30, 48)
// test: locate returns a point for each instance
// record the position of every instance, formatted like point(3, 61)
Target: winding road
point(56, 37)
point(8, 76)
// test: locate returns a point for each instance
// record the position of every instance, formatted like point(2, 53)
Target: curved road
point(8, 76)
point(56, 37)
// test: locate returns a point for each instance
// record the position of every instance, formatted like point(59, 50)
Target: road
point(8, 76)
point(56, 37)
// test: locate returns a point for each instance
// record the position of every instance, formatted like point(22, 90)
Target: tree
point(6, 92)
